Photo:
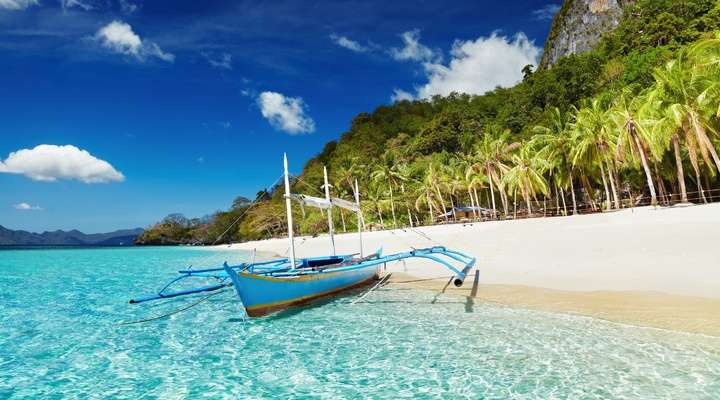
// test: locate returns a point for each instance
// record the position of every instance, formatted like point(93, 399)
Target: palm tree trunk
point(526, 195)
point(342, 218)
point(588, 191)
point(503, 197)
point(442, 202)
point(679, 166)
point(515, 204)
point(477, 199)
point(492, 194)
point(557, 200)
point(472, 202)
point(643, 158)
point(572, 192)
point(562, 194)
point(407, 206)
point(429, 201)
point(700, 132)
point(392, 206)
point(452, 208)
point(709, 187)
point(612, 183)
point(660, 185)
point(699, 184)
point(607, 192)
point(379, 213)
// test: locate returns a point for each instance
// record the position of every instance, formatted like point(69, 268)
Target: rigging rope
point(384, 278)
point(177, 311)
point(257, 200)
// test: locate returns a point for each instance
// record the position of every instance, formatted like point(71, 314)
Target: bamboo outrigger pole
point(329, 210)
point(288, 206)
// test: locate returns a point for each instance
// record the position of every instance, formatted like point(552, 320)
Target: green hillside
point(633, 121)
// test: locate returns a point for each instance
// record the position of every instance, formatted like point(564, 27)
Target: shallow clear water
point(59, 338)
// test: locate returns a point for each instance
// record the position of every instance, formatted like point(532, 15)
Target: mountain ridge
point(121, 237)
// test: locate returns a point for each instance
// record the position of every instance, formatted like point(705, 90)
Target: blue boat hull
point(262, 295)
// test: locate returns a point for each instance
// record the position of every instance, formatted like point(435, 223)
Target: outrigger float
point(270, 286)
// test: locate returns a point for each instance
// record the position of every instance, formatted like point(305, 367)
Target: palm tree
point(403, 175)
point(386, 170)
point(526, 175)
point(492, 153)
point(349, 169)
point(686, 96)
point(376, 197)
point(471, 180)
point(455, 180)
point(434, 180)
point(425, 195)
point(341, 192)
point(633, 137)
point(593, 141)
point(555, 146)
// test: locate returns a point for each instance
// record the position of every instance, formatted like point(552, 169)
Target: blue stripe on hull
point(262, 295)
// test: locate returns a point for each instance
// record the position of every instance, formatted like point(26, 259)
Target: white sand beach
point(652, 266)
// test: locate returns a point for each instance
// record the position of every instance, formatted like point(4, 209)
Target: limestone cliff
point(579, 25)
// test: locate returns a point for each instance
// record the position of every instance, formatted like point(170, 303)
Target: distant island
point(124, 237)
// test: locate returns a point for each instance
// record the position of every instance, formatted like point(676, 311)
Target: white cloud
point(414, 50)
point(120, 38)
point(546, 13)
point(400, 95)
point(481, 65)
point(350, 44)
point(26, 207)
point(285, 113)
point(48, 162)
point(17, 4)
point(85, 5)
point(223, 61)
point(128, 7)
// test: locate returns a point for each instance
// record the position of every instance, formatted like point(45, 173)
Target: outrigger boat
point(270, 286)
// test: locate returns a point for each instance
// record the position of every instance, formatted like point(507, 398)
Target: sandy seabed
point(657, 267)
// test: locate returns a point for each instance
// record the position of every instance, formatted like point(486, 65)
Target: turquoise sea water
point(59, 338)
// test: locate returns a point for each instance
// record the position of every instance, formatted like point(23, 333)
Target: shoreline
point(644, 266)
point(697, 315)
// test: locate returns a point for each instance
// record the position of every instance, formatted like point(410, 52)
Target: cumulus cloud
point(400, 95)
point(546, 13)
point(478, 66)
point(285, 113)
point(349, 44)
point(413, 50)
point(84, 4)
point(119, 37)
point(48, 162)
point(26, 207)
point(222, 61)
point(17, 4)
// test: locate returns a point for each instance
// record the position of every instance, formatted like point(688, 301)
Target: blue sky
point(115, 113)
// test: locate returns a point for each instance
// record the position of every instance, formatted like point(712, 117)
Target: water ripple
point(59, 338)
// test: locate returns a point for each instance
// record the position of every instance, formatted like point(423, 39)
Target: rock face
point(579, 25)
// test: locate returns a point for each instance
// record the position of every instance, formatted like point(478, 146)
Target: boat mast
point(288, 205)
point(329, 211)
point(359, 216)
